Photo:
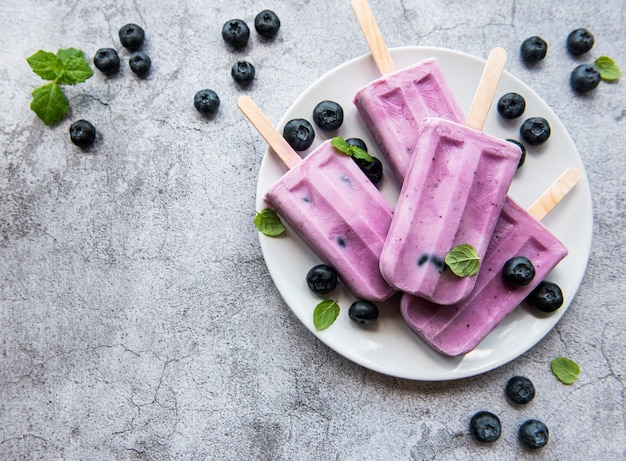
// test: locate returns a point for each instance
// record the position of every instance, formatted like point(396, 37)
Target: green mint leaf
point(67, 53)
point(463, 260)
point(325, 314)
point(49, 103)
point(565, 370)
point(340, 144)
point(353, 151)
point(609, 71)
point(75, 70)
point(268, 223)
point(45, 64)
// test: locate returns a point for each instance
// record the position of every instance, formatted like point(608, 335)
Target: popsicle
point(457, 329)
point(452, 195)
point(334, 208)
point(392, 106)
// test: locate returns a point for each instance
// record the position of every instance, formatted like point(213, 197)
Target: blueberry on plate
point(511, 105)
point(520, 389)
point(321, 279)
point(363, 312)
point(299, 134)
point(579, 41)
point(518, 271)
point(535, 130)
point(236, 33)
point(131, 36)
point(267, 23)
point(328, 115)
point(243, 73)
point(522, 159)
point(140, 63)
point(584, 77)
point(374, 169)
point(106, 60)
point(534, 49)
point(485, 426)
point(546, 297)
point(82, 133)
point(533, 434)
point(206, 102)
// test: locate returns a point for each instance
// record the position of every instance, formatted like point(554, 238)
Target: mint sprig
point(463, 260)
point(566, 370)
point(353, 151)
point(609, 70)
point(325, 314)
point(268, 223)
point(67, 67)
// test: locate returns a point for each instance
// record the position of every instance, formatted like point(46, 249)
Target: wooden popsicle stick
point(486, 90)
point(265, 128)
point(374, 38)
point(553, 195)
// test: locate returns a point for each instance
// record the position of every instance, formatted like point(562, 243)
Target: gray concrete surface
point(137, 318)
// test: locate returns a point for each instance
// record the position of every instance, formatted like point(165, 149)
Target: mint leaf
point(49, 103)
point(353, 151)
point(565, 370)
point(45, 64)
point(76, 70)
point(609, 71)
point(463, 260)
point(268, 223)
point(67, 53)
point(325, 314)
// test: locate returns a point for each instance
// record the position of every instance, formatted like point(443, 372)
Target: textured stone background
point(137, 317)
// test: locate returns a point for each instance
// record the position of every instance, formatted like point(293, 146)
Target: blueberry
point(328, 115)
point(321, 279)
point(299, 134)
point(579, 41)
point(82, 133)
point(584, 77)
point(533, 434)
point(522, 148)
point(520, 389)
point(140, 63)
point(535, 131)
point(511, 105)
point(267, 23)
point(243, 72)
point(485, 427)
point(132, 36)
point(363, 312)
point(546, 297)
point(206, 102)
point(357, 142)
point(534, 49)
point(518, 271)
point(236, 33)
point(106, 60)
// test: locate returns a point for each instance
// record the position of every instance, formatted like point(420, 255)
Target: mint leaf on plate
point(565, 370)
point(463, 260)
point(49, 103)
point(609, 71)
point(353, 151)
point(268, 223)
point(325, 314)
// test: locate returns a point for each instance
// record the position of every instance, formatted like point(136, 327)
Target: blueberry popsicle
point(458, 329)
point(392, 106)
point(334, 208)
point(452, 195)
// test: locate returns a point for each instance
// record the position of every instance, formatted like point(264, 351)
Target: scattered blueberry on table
point(243, 72)
point(82, 133)
point(131, 36)
point(106, 60)
point(267, 23)
point(236, 33)
point(534, 49)
point(580, 41)
point(140, 63)
point(206, 101)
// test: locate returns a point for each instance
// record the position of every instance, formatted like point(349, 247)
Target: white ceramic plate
point(389, 346)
